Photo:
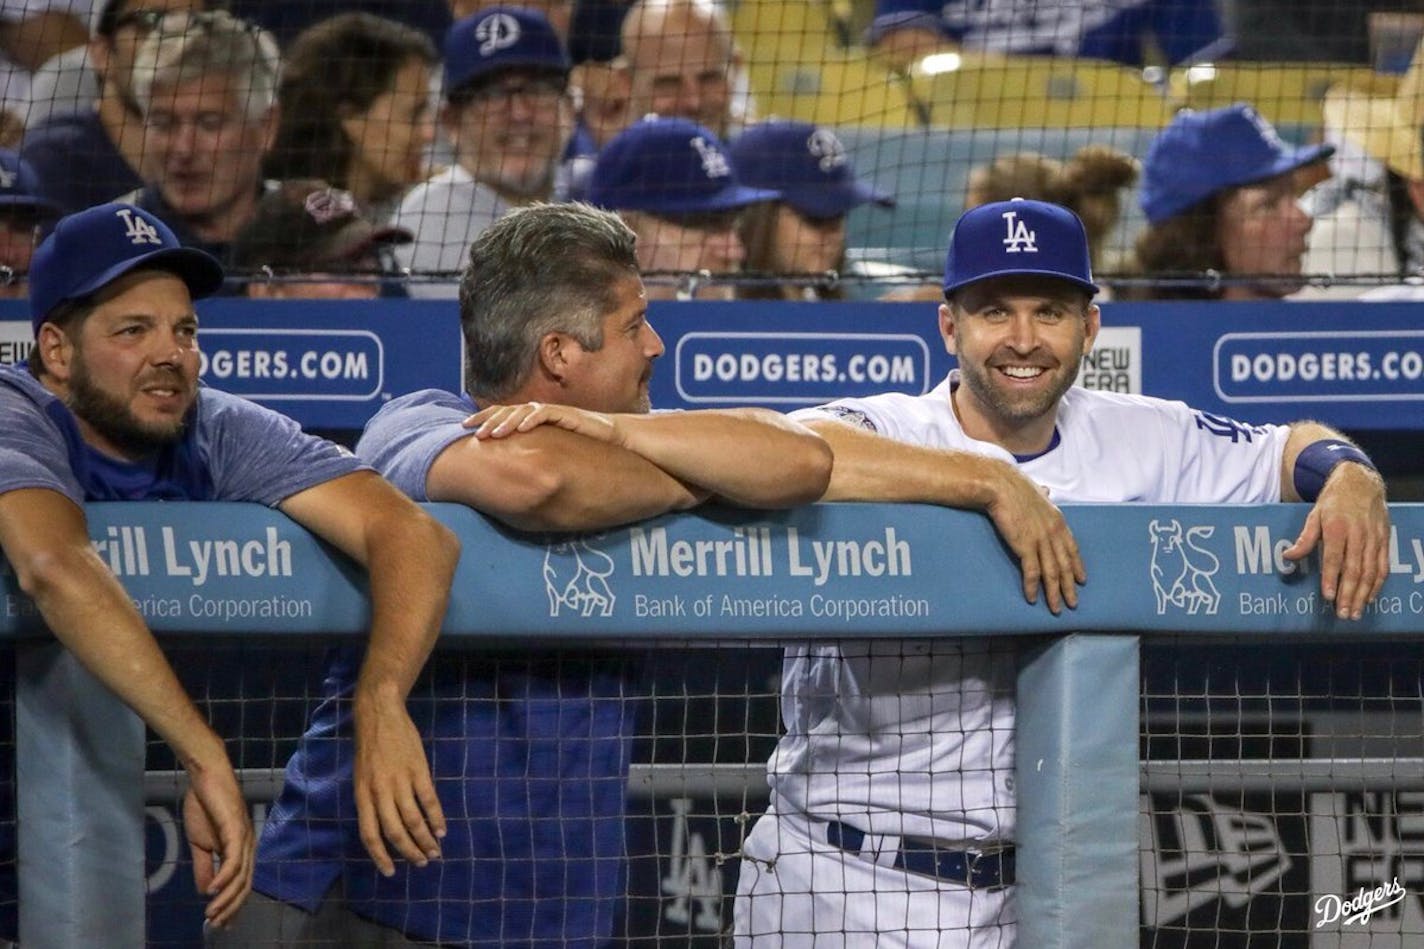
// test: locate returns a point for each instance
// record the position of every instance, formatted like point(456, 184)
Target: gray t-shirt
point(405, 437)
point(233, 450)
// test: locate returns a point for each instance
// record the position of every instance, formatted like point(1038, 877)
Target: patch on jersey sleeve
point(1223, 427)
point(850, 416)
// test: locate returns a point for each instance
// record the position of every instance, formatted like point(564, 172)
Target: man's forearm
point(553, 480)
point(87, 610)
point(46, 540)
point(752, 457)
point(411, 563)
point(869, 467)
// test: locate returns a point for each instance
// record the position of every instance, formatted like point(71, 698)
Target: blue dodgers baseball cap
point(1202, 153)
point(92, 248)
point(501, 38)
point(20, 186)
point(807, 164)
point(1005, 238)
point(669, 166)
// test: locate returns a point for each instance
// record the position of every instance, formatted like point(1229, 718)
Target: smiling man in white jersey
point(892, 814)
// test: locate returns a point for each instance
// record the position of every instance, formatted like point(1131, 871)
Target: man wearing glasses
point(508, 115)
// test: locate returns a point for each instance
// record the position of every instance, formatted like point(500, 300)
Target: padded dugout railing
point(931, 572)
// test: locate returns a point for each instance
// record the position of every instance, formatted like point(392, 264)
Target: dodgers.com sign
point(1358, 366)
point(329, 364)
point(1335, 366)
point(308, 365)
point(797, 368)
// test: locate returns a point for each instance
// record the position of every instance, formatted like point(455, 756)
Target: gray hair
point(540, 269)
point(188, 46)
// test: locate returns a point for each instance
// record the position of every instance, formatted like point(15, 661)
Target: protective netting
point(439, 130)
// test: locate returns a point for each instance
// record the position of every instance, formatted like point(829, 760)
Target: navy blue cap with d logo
point(499, 38)
point(92, 248)
point(1006, 238)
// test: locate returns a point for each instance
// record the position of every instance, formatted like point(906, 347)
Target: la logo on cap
point(714, 163)
point(495, 33)
point(137, 230)
point(1017, 237)
point(825, 146)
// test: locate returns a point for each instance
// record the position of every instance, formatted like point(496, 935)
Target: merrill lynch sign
point(847, 570)
point(884, 570)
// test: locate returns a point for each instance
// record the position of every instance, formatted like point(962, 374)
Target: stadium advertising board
point(332, 365)
point(329, 364)
point(842, 569)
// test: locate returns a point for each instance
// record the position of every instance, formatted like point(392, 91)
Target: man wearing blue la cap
point(1220, 190)
point(109, 408)
point(677, 187)
point(508, 115)
point(805, 231)
point(892, 813)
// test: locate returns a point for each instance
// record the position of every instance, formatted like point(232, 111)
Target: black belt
point(972, 868)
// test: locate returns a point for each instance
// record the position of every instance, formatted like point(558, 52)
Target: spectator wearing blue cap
point(893, 813)
point(804, 232)
point(23, 215)
point(508, 115)
point(109, 408)
point(1220, 190)
point(677, 187)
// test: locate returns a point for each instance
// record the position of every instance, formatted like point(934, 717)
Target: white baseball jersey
point(915, 737)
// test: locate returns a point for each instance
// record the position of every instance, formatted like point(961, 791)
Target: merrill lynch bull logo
point(1182, 570)
point(576, 577)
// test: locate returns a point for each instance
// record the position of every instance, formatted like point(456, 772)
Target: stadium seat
point(1285, 93)
point(981, 90)
point(798, 68)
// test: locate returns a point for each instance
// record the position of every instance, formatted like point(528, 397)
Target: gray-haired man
point(207, 85)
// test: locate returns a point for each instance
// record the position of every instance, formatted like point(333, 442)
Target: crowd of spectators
point(440, 117)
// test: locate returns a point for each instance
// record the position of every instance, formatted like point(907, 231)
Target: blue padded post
point(1077, 778)
point(79, 762)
